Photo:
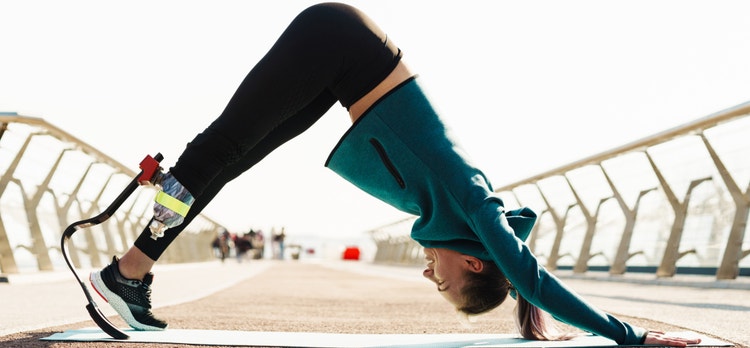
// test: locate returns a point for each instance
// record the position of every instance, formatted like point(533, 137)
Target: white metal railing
point(49, 179)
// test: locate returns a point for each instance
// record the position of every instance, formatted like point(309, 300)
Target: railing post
point(584, 255)
point(668, 265)
point(109, 247)
point(39, 245)
point(554, 253)
point(582, 264)
point(729, 267)
point(7, 259)
point(92, 247)
point(619, 264)
point(64, 209)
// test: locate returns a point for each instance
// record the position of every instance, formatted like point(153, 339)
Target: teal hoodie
point(400, 152)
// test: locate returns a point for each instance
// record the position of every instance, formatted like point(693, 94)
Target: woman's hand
point(659, 337)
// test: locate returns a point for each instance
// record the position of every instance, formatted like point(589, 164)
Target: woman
point(397, 150)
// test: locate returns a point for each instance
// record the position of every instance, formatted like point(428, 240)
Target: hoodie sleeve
point(534, 283)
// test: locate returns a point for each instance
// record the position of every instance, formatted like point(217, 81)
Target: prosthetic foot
point(149, 166)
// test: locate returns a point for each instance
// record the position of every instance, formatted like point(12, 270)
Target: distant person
point(251, 236)
point(278, 244)
point(222, 244)
point(259, 245)
point(242, 245)
point(398, 150)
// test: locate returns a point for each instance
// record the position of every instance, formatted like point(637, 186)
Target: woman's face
point(446, 268)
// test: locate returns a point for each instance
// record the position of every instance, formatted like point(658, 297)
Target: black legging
point(330, 52)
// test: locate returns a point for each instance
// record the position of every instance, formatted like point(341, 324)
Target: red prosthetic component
point(149, 167)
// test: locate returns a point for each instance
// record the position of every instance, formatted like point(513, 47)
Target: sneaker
point(131, 298)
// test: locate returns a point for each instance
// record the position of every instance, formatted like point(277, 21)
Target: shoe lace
point(146, 295)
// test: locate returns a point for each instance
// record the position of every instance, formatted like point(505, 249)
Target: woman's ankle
point(135, 264)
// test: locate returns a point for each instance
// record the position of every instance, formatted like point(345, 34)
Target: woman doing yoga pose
point(397, 150)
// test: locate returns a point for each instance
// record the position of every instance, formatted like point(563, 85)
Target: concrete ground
point(352, 297)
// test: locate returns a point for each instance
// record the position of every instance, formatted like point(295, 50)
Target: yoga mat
point(330, 340)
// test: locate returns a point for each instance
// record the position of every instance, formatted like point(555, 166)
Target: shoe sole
point(118, 304)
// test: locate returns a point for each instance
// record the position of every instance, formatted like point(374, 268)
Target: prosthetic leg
point(149, 167)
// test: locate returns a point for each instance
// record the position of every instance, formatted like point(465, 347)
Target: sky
point(527, 86)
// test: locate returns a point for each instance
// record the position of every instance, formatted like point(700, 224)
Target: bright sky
point(527, 85)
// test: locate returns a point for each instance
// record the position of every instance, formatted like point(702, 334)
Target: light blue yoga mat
point(329, 340)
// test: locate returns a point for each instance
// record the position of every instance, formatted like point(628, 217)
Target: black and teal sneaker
point(131, 298)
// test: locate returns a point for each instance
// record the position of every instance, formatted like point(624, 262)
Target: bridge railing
point(674, 202)
point(50, 179)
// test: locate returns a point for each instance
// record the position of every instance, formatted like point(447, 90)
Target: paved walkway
point(352, 297)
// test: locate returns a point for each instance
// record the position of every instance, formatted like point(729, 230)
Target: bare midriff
point(400, 74)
